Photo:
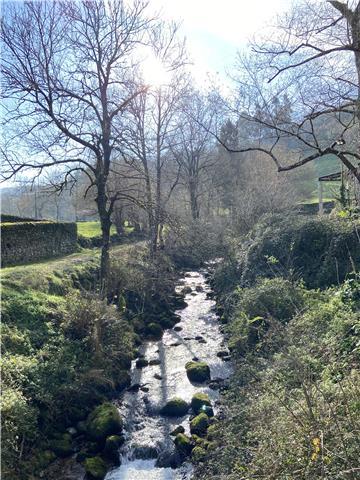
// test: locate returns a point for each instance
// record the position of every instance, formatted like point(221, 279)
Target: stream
point(149, 448)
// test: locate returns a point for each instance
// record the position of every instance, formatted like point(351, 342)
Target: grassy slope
point(52, 370)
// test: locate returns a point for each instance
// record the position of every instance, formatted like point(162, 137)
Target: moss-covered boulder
point(111, 449)
point(198, 401)
point(197, 371)
point(176, 407)
point(95, 468)
point(105, 420)
point(199, 424)
point(183, 444)
point(198, 454)
point(179, 429)
point(62, 445)
point(154, 331)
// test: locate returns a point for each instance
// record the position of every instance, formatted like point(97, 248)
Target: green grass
point(92, 229)
point(40, 274)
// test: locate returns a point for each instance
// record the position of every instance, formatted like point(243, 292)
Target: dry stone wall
point(24, 242)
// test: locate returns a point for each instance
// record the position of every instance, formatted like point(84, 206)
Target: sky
point(217, 29)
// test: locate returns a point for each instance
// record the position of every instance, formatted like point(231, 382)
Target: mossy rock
point(198, 372)
point(62, 445)
point(105, 420)
point(198, 454)
point(183, 444)
point(179, 429)
point(199, 425)
point(141, 363)
point(198, 401)
point(111, 449)
point(175, 407)
point(44, 458)
point(95, 468)
point(167, 322)
point(154, 331)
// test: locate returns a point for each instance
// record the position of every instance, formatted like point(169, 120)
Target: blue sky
point(216, 29)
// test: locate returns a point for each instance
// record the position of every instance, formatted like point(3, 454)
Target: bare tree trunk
point(195, 210)
point(105, 222)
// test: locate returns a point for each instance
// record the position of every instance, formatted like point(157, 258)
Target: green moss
point(103, 421)
point(199, 400)
point(183, 443)
point(199, 424)
point(62, 446)
point(175, 407)
point(95, 468)
point(198, 371)
point(212, 432)
point(111, 449)
point(198, 454)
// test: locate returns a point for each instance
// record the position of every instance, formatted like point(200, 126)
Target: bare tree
point(67, 76)
point(312, 59)
point(151, 130)
point(194, 150)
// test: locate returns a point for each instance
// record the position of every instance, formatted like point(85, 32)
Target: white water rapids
point(147, 433)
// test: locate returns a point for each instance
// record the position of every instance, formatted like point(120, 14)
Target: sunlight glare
point(154, 72)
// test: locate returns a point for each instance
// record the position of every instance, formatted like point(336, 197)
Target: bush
point(277, 298)
point(322, 251)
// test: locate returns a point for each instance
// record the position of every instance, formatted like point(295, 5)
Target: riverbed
point(149, 447)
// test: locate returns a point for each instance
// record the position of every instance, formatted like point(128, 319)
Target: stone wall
point(24, 242)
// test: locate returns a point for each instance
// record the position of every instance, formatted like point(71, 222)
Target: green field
point(92, 229)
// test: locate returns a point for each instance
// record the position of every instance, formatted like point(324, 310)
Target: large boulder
point(183, 444)
point(105, 420)
point(199, 424)
point(176, 407)
point(95, 468)
point(198, 401)
point(111, 449)
point(198, 372)
point(154, 331)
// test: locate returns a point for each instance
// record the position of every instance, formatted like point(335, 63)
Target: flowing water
point(149, 446)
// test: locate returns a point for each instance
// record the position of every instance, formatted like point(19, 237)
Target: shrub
point(322, 251)
point(276, 297)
